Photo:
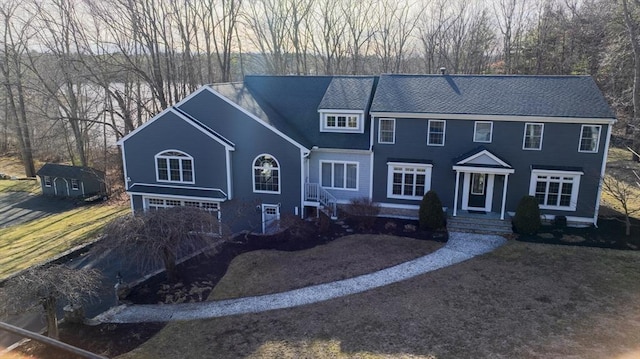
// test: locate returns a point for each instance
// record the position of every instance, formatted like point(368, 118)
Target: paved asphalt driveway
point(20, 207)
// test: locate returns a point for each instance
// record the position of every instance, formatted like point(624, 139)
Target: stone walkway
point(460, 247)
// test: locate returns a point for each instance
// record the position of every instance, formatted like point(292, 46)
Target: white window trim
point(359, 115)
point(524, 136)
point(427, 179)
point(47, 181)
point(597, 141)
point(77, 184)
point(444, 133)
point(253, 175)
point(475, 129)
point(575, 189)
point(393, 141)
point(180, 158)
point(345, 163)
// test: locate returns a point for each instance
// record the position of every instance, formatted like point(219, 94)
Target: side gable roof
point(66, 171)
point(543, 96)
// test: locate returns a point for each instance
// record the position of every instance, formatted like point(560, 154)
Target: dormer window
point(341, 122)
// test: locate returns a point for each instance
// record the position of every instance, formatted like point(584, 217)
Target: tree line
point(79, 74)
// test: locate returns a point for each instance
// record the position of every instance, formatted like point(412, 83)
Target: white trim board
point(512, 118)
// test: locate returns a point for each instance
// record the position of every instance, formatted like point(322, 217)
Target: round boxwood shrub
point(527, 218)
point(431, 215)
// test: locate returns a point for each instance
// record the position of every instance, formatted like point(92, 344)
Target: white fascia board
point(254, 117)
point(142, 127)
point(339, 112)
point(182, 117)
point(341, 150)
point(170, 196)
point(557, 172)
point(180, 187)
point(480, 169)
point(481, 153)
point(473, 117)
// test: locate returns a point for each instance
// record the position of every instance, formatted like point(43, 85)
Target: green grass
point(33, 242)
point(31, 186)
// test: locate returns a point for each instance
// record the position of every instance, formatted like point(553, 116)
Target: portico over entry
point(479, 169)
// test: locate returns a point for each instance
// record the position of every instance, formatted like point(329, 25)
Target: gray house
point(71, 181)
point(275, 145)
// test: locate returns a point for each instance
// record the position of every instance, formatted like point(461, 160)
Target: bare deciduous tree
point(46, 286)
point(162, 235)
point(627, 196)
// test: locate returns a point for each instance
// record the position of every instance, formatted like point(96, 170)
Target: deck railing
point(315, 193)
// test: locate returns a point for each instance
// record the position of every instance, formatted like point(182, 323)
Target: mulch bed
point(610, 233)
point(204, 271)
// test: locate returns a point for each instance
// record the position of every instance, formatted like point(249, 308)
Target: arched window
point(174, 166)
point(266, 174)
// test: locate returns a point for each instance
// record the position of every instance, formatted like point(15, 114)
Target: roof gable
point(506, 95)
point(188, 119)
point(481, 157)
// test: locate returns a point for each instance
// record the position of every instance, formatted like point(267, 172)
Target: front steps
point(484, 224)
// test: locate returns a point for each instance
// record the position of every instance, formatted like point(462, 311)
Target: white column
point(455, 199)
point(504, 195)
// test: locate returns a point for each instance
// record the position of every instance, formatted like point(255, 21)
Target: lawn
point(33, 242)
point(523, 300)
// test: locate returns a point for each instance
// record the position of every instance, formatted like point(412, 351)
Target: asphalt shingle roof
point(348, 93)
point(291, 104)
point(66, 171)
point(547, 96)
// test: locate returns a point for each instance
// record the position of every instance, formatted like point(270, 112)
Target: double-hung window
point(74, 185)
point(387, 131)
point(589, 138)
point(47, 181)
point(532, 136)
point(408, 180)
point(555, 189)
point(435, 133)
point(174, 166)
point(339, 175)
point(482, 131)
point(266, 174)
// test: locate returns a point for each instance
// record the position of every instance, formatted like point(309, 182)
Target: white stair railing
point(314, 192)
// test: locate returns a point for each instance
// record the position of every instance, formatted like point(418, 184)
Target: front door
point(478, 192)
point(270, 218)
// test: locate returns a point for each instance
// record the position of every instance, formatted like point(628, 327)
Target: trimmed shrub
point(527, 218)
point(363, 212)
point(431, 215)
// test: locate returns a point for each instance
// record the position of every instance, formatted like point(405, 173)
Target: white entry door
point(270, 218)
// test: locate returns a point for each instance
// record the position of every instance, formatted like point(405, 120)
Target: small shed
point(71, 181)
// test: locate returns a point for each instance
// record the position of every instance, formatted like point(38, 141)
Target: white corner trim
point(602, 172)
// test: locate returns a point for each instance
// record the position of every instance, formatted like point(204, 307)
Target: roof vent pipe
point(443, 70)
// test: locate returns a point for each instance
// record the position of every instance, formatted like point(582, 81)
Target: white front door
point(270, 218)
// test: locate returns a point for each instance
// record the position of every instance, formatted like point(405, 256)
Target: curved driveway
point(460, 247)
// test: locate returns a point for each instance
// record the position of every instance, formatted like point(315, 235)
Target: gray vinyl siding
point(169, 132)
point(559, 148)
point(364, 173)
